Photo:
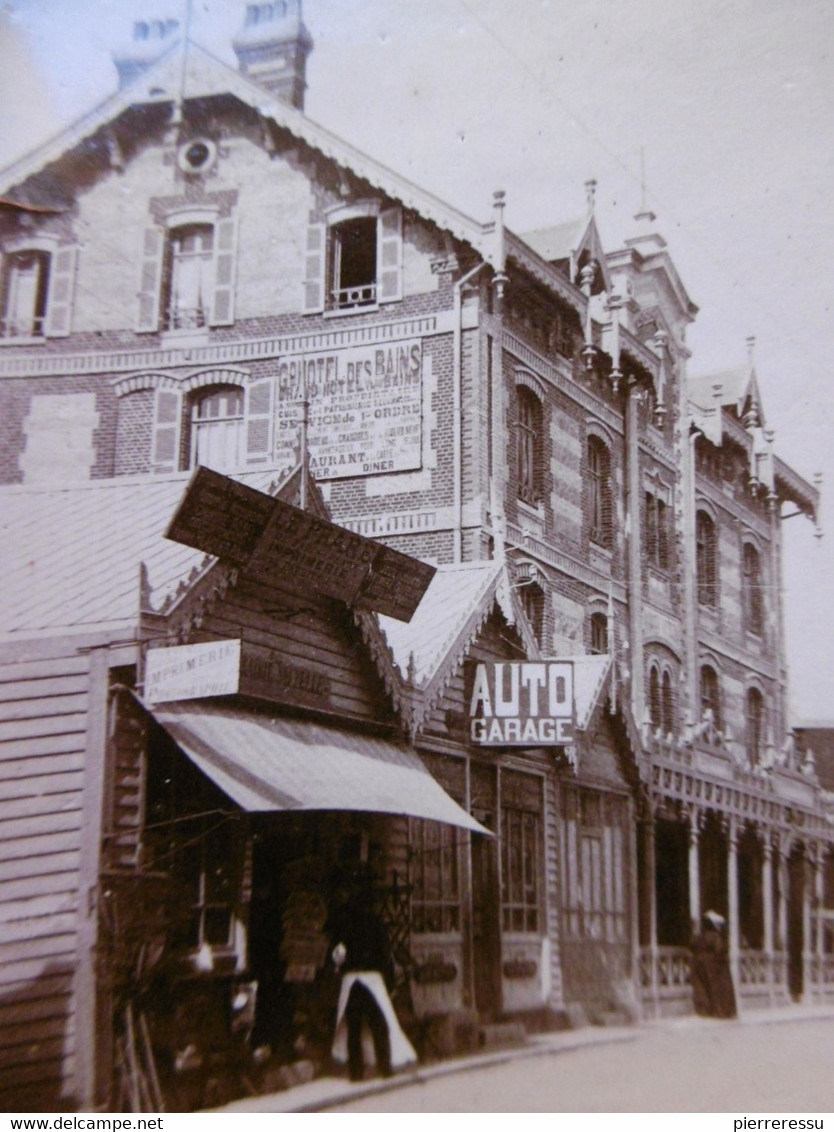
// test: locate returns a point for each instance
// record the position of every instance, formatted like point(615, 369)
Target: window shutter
point(390, 256)
point(259, 413)
point(223, 300)
point(167, 424)
point(314, 269)
point(150, 280)
point(61, 288)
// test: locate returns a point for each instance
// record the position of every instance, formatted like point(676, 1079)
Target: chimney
point(151, 39)
point(272, 49)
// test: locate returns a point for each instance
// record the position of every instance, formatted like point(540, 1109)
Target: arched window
point(599, 633)
point(528, 441)
point(667, 704)
point(710, 695)
point(752, 590)
point(706, 564)
point(655, 704)
point(217, 434)
point(599, 491)
point(755, 735)
point(531, 596)
point(657, 531)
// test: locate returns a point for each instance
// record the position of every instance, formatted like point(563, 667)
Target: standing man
point(361, 952)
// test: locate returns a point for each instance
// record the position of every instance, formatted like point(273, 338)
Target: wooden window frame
point(599, 489)
point(752, 592)
point(706, 559)
point(755, 719)
point(710, 694)
point(435, 876)
point(599, 645)
point(521, 859)
point(529, 446)
point(199, 424)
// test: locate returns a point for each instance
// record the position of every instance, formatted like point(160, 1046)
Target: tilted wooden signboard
point(273, 541)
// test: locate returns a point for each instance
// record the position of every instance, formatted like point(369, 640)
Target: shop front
point(255, 823)
point(257, 771)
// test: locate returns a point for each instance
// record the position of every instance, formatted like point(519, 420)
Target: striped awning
point(269, 764)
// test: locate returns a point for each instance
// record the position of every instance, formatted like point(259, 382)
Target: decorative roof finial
point(591, 193)
point(644, 212)
point(751, 349)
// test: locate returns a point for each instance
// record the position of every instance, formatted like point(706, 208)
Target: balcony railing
point(346, 297)
point(755, 968)
point(667, 969)
point(21, 327)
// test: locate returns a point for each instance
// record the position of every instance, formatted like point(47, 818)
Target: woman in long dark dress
point(713, 995)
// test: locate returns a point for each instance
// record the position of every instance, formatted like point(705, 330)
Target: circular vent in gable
point(197, 155)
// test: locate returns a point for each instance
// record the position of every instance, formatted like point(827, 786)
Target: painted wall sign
point(365, 413)
point(522, 704)
point(192, 672)
point(276, 542)
point(267, 675)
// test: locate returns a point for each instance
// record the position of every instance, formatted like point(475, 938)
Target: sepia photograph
point(417, 555)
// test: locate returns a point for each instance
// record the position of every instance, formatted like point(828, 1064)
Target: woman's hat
point(714, 918)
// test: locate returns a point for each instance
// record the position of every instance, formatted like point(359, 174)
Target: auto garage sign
point(522, 704)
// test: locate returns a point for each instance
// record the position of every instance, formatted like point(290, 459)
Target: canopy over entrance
point(268, 765)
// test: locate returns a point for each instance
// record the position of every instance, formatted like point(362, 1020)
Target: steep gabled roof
point(590, 679)
point(199, 75)
point(186, 70)
point(71, 556)
point(453, 609)
point(417, 659)
point(565, 244)
point(731, 388)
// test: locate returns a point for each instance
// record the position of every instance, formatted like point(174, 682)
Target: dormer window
point(355, 260)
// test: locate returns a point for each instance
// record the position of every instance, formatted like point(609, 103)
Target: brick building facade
point(197, 274)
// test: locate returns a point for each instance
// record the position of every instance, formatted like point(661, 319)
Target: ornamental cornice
point(649, 446)
point(243, 351)
point(761, 666)
point(546, 370)
point(722, 501)
point(529, 544)
point(758, 800)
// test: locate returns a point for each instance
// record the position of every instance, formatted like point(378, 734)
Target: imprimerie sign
point(366, 409)
point(191, 672)
point(522, 704)
point(223, 668)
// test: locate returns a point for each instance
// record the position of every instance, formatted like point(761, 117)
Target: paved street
point(686, 1065)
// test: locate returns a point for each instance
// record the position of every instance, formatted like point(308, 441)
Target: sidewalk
point(326, 1092)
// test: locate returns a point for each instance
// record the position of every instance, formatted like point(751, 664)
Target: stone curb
point(329, 1092)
